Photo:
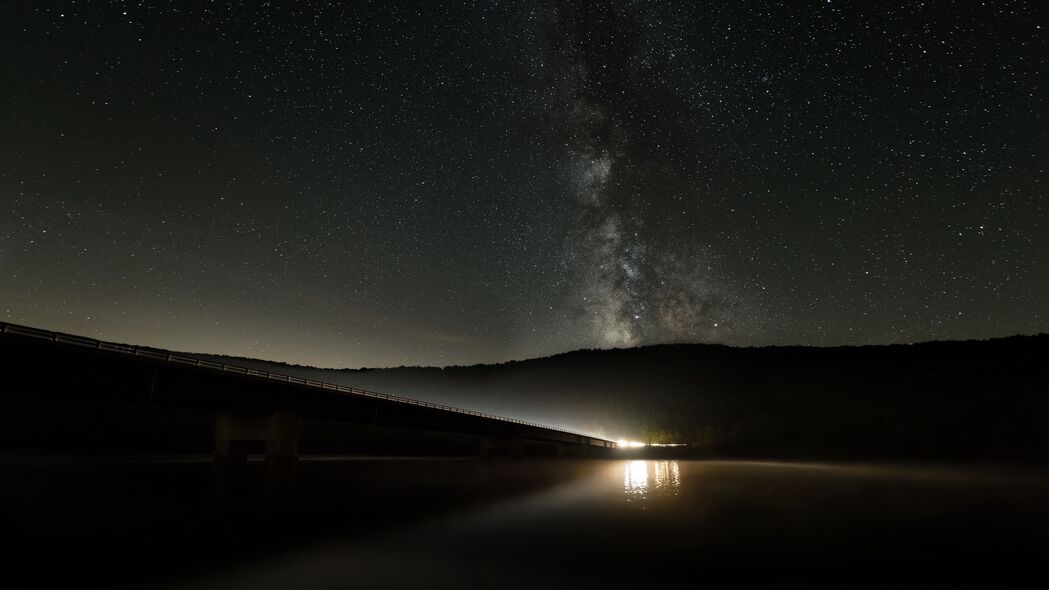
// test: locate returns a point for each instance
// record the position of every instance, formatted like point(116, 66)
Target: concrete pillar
point(279, 431)
point(235, 435)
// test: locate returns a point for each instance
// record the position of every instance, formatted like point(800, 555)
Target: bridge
point(251, 408)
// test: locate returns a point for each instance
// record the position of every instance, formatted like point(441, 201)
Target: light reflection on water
point(668, 476)
point(660, 478)
point(737, 523)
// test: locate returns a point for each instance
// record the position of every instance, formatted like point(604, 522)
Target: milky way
point(377, 183)
point(627, 288)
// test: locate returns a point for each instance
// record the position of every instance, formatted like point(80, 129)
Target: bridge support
point(512, 446)
point(235, 435)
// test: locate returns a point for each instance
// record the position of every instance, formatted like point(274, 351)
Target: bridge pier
point(237, 436)
point(278, 433)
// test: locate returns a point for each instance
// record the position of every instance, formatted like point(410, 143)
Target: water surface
point(653, 524)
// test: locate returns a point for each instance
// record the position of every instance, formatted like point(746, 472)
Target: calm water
point(648, 524)
point(546, 524)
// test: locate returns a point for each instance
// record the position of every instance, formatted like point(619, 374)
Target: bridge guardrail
point(172, 358)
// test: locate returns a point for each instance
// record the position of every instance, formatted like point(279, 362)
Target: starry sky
point(386, 183)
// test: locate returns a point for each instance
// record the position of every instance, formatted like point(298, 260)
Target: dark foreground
point(368, 523)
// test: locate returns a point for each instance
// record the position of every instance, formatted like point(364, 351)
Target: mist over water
point(665, 523)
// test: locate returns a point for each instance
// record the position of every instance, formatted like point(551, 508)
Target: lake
point(425, 523)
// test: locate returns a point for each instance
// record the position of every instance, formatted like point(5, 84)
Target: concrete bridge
point(254, 410)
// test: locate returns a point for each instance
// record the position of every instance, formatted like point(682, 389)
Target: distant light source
point(629, 443)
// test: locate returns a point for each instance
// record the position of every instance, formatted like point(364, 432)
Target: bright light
point(623, 443)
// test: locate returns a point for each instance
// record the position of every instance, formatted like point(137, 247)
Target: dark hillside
point(974, 400)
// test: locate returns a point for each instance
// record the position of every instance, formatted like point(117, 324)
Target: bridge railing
point(178, 359)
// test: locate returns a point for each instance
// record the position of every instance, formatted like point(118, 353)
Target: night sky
point(381, 183)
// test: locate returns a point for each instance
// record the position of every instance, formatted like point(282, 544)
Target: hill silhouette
point(970, 400)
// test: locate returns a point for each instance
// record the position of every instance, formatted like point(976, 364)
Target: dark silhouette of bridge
point(253, 408)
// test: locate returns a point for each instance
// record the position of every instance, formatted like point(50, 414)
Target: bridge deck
point(181, 379)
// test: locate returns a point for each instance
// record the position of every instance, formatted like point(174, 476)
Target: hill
point(978, 400)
